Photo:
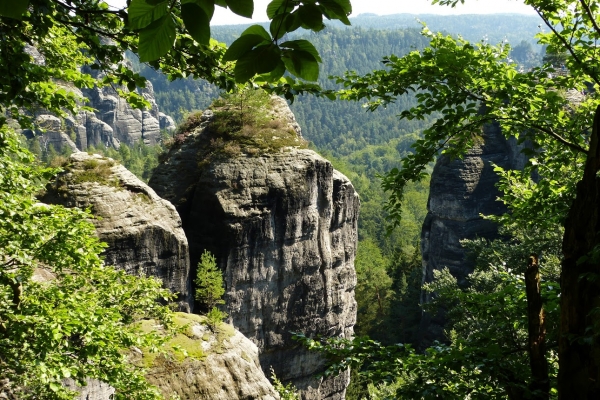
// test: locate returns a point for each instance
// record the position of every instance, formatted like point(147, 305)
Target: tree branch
point(572, 146)
point(568, 46)
point(590, 15)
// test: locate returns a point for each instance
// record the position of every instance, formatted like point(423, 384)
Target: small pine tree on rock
point(209, 288)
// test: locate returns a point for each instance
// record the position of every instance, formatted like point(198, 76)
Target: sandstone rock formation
point(128, 125)
point(219, 364)
point(460, 191)
point(112, 122)
point(226, 367)
point(143, 231)
point(283, 227)
point(53, 133)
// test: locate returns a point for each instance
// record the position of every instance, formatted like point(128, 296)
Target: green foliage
point(215, 317)
point(244, 119)
point(486, 357)
point(210, 289)
point(525, 55)
point(286, 392)
point(256, 51)
point(64, 314)
point(456, 79)
point(373, 290)
point(95, 170)
point(243, 123)
point(209, 282)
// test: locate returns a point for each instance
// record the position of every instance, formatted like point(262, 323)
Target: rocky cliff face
point(127, 125)
point(112, 122)
point(143, 231)
point(460, 191)
point(284, 229)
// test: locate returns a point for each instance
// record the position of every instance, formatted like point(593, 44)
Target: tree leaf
point(241, 46)
point(245, 8)
point(277, 7)
point(260, 60)
point(244, 68)
point(292, 22)
point(277, 26)
point(196, 21)
point(345, 4)
point(142, 14)
point(257, 30)
point(311, 17)
point(13, 9)
point(303, 45)
point(157, 39)
point(266, 58)
point(207, 5)
point(276, 73)
point(302, 64)
point(337, 9)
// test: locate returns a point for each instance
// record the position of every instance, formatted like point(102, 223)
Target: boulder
point(219, 363)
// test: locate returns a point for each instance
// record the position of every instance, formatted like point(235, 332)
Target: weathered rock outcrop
point(283, 227)
point(460, 191)
point(143, 231)
point(128, 125)
point(54, 134)
point(219, 364)
point(226, 366)
point(112, 122)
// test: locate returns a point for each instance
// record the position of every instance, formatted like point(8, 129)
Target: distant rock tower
point(460, 191)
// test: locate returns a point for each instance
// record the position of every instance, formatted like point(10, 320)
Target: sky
point(381, 7)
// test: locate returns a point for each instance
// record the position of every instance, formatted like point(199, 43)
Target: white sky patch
point(381, 7)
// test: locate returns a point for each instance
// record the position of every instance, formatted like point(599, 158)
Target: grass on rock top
point(243, 123)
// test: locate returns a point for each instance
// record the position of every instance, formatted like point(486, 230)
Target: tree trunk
point(579, 344)
point(540, 384)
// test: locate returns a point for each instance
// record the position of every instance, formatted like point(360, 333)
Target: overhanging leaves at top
point(143, 13)
point(157, 39)
point(13, 8)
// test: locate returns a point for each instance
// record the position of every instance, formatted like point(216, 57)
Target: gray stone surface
point(93, 390)
point(229, 370)
point(112, 122)
point(143, 231)
point(166, 122)
point(283, 227)
point(460, 191)
point(51, 133)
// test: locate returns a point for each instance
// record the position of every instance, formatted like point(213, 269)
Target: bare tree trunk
point(579, 343)
point(540, 384)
